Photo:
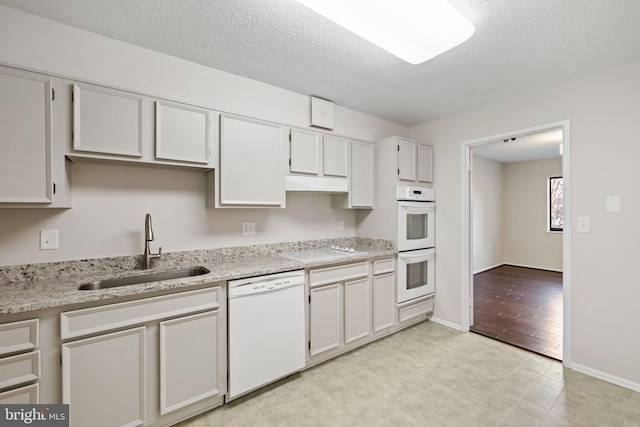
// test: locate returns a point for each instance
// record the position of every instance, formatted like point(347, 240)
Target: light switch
point(614, 204)
point(48, 239)
point(583, 224)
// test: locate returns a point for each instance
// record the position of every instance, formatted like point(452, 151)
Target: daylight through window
point(555, 206)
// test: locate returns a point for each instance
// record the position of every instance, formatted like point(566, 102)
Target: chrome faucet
point(148, 237)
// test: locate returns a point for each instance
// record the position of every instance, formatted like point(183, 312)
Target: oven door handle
point(415, 258)
point(417, 210)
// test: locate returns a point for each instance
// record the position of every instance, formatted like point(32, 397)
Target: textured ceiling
point(518, 46)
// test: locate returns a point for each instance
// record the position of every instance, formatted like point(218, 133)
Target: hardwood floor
point(520, 306)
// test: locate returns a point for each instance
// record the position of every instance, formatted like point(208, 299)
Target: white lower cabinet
point(384, 293)
point(349, 305)
point(357, 309)
point(189, 360)
point(160, 370)
point(103, 379)
point(28, 395)
point(383, 301)
point(325, 318)
point(19, 362)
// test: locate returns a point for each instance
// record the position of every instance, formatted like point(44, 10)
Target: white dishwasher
point(266, 330)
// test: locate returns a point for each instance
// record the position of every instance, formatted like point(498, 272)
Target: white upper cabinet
point(305, 147)
point(361, 178)
point(407, 160)
point(107, 121)
point(315, 154)
point(425, 163)
point(116, 125)
point(251, 169)
point(361, 183)
point(335, 155)
point(31, 137)
point(182, 132)
point(414, 161)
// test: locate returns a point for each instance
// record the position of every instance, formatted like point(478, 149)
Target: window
point(555, 204)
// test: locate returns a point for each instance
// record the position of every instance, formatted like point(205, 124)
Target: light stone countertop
point(33, 287)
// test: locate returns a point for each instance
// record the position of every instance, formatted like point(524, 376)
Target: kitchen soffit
point(517, 46)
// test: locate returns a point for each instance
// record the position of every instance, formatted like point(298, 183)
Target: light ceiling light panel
point(413, 30)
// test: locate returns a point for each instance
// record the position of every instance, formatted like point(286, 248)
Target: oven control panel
point(420, 194)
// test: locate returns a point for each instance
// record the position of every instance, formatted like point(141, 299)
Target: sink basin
point(143, 278)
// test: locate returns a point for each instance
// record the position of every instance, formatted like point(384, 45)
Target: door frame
point(467, 226)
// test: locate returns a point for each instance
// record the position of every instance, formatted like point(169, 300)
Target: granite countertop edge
point(62, 290)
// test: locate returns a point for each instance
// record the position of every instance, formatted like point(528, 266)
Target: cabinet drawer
point(416, 309)
point(20, 369)
point(18, 336)
point(28, 395)
point(384, 265)
point(99, 319)
point(339, 273)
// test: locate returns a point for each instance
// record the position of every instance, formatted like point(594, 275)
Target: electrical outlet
point(48, 240)
point(341, 225)
point(248, 228)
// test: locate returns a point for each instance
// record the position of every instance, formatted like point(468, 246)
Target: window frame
point(550, 228)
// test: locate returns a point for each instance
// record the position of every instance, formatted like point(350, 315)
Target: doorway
point(507, 277)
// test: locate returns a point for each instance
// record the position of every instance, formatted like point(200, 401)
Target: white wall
point(603, 110)
point(488, 205)
point(526, 239)
point(109, 202)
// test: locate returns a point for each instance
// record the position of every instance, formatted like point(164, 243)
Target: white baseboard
point(488, 268)
point(606, 377)
point(533, 266)
point(446, 323)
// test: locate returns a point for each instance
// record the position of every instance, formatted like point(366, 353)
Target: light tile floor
point(431, 375)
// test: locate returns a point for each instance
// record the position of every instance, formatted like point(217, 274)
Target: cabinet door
point(407, 160)
point(28, 395)
point(103, 379)
point(251, 172)
point(305, 152)
point(425, 163)
point(357, 310)
point(325, 318)
point(383, 301)
point(189, 360)
point(361, 174)
point(335, 152)
point(182, 132)
point(26, 137)
point(107, 121)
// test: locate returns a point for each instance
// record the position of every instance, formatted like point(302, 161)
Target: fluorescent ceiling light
point(413, 30)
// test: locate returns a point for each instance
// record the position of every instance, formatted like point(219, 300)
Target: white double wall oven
point(415, 242)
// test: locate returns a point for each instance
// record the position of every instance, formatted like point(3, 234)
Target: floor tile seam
point(522, 395)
